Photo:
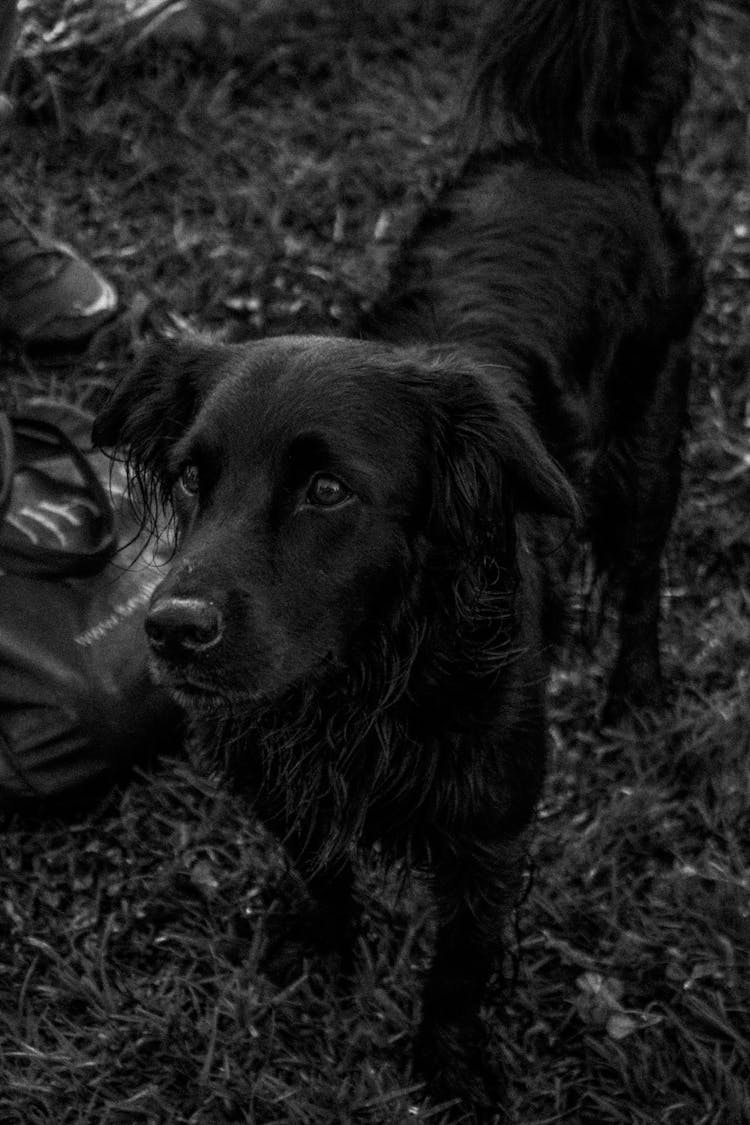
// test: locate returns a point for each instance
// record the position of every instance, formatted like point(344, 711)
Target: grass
point(267, 192)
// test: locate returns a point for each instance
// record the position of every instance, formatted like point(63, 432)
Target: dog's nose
point(184, 625)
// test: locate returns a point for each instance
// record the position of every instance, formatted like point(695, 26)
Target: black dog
point(374, 532)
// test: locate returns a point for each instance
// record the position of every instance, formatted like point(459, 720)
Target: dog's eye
point(327, 492)
point(189, 480)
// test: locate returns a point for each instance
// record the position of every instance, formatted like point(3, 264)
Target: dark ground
point(267, 193)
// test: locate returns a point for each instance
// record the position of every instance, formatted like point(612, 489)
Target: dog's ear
point(155, 402)
point(490, 463)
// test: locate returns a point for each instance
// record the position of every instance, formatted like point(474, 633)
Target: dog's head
point(320, 488)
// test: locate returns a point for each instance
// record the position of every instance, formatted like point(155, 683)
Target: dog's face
point(311, 479)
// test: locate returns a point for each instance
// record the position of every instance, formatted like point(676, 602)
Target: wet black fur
point(381, 675)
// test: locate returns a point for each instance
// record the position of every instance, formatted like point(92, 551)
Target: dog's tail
point(586, 83)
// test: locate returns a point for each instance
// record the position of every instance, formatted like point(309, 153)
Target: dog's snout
point(186, 626)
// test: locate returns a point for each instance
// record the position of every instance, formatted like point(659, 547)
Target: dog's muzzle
point(183, 628)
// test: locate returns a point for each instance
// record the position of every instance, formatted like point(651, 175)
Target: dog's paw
point(460, 1073)
point(630, 704)
point(296, 933)
point(636, 691)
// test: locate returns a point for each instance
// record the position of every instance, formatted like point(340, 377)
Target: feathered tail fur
point(587, 84)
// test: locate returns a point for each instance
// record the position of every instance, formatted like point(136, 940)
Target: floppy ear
point(155, 402)
point(490, 463)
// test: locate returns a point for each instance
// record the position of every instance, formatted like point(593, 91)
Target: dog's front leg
point(476, 887)
point(317, 918)
point(333, 916)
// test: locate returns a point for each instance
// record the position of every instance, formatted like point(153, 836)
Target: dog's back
point(552, 256)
